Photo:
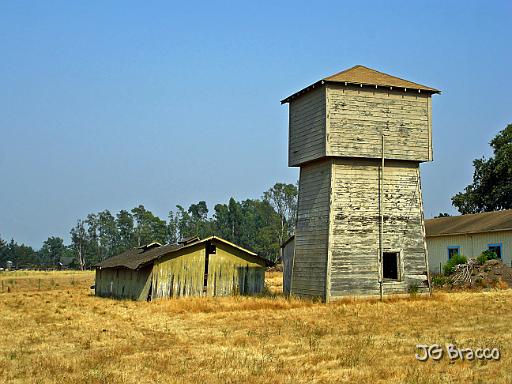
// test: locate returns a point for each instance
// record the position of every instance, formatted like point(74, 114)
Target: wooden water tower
point(358, 137)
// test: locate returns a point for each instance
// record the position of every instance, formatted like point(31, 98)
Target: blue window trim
point(457, 247)
point(499, 245)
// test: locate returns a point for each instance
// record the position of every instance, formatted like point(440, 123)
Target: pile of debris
point(491, 274)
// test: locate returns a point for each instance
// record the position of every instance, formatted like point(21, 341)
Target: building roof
point(465, 224)
point(136, 258)
point(292, 237)
point(361, 75)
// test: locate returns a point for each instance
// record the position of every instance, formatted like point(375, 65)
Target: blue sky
point(106, 105)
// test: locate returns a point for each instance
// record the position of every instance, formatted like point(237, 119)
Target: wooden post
point(424, 233)
point(381, 213)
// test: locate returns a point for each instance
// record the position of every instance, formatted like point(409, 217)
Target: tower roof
point(361, 75)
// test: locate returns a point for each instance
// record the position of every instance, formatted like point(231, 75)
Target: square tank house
point(359, 137)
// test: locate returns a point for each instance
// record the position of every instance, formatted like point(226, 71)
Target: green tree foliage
point(148, 227)
point(283, 198)
point(52, 251)
point(260, 228)
point(491, 189)
point(125, 231)
point(3, 252)
point(173, 234)
point(456, 259)
point(102, 235)
point(228, 220)
point(21, 255)
point(79, 243)
point(260, 225)
point(486, 255)
point(199, 225)
point(108, 235)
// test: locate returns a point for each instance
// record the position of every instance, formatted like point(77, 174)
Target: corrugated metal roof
point(473, 223)
point(138, 257)
point(361, 75)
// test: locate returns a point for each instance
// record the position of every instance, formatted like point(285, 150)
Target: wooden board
point(354, 230)
point(357, 118)
point(307, 128)
point(311, 236)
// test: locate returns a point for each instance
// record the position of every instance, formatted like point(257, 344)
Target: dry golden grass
point(53, 330)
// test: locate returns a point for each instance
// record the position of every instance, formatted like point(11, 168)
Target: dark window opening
point(390, 265)
point(206, 262)
point(211, 249)
point(496, 248)
point(452, 251)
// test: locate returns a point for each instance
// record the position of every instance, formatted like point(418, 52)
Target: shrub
point(414, 288)
point(449, 267)
point(438, 280)
point(482, 258)
point(486, 255)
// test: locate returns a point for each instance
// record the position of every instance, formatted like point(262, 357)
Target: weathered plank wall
point(336, 138)
point(179, 274)
point(230, 271)
point(123, 283)
point(471, 246)
point(287, 259)
point(356, 119)
point(307, 128)
point(233, 272)
point(355, 222)
point(309, 275)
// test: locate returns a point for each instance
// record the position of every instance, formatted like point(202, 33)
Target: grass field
point(53, 330)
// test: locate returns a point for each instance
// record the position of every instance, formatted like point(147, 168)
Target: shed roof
point(361, 75)
point(139, 257)
point(292, 237)
point(473, 223)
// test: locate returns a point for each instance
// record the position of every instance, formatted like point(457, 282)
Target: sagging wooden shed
point(208, 267)
point(359, 137)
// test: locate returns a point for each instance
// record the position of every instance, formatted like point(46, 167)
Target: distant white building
point(469, 235)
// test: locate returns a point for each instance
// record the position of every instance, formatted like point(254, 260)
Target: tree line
point(260, 225)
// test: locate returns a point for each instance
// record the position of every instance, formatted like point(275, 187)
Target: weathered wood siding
point(231, 271)
point(179, 274)
point(307, 128)
point(471, 246)
point(356, 119)
point(123, 283)
point(355, 223)
point(287, 259)
point(309, 276)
